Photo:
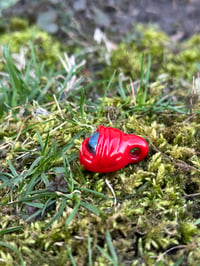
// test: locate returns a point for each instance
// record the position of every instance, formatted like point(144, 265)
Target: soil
point(179, 18)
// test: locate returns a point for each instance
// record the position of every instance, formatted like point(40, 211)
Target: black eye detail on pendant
point(92, 143)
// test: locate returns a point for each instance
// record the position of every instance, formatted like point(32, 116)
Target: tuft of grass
point(32, 82)
point(18, 84)
point(19, 87)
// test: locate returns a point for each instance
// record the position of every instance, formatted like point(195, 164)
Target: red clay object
point(113, 150)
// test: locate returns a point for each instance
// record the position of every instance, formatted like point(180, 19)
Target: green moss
point(20, 35)
point(17, 24)
point(127, 57)
point(176, 60)
point(152, 214)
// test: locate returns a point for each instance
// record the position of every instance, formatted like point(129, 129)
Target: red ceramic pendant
point(109, 149)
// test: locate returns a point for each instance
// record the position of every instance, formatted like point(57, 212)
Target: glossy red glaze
point(113, 150)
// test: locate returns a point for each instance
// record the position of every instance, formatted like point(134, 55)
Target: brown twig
point(192, 195)
point(169, 250)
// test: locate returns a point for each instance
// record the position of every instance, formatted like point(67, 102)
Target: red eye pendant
point(109, 150)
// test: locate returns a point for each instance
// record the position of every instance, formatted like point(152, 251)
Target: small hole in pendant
point(134, 152)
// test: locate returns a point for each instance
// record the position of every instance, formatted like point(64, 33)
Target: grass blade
point(82, 103)
point(48, 203)
point(34, 180)
point(140, 94)
point(45, 144)
point(12, 169)
point(38, 205)
point(33, 57)
point(90, 207)
point(147, 79)
point(89, 251)
point(121, 89)
point(68, 172)
point(96, 193)
point(179, 261)
point(40, 139)
point(11, 229)
point(106, 255)
point(33, 167)
point(105, 93)
point(70, 256)
point(72, 214)
point(59, 213)
point(111, 247)
point(15, 250)
point(34, 215)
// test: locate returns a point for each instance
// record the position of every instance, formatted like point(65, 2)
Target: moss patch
point(152, 213)
point(21, 34)
point(174, 59)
